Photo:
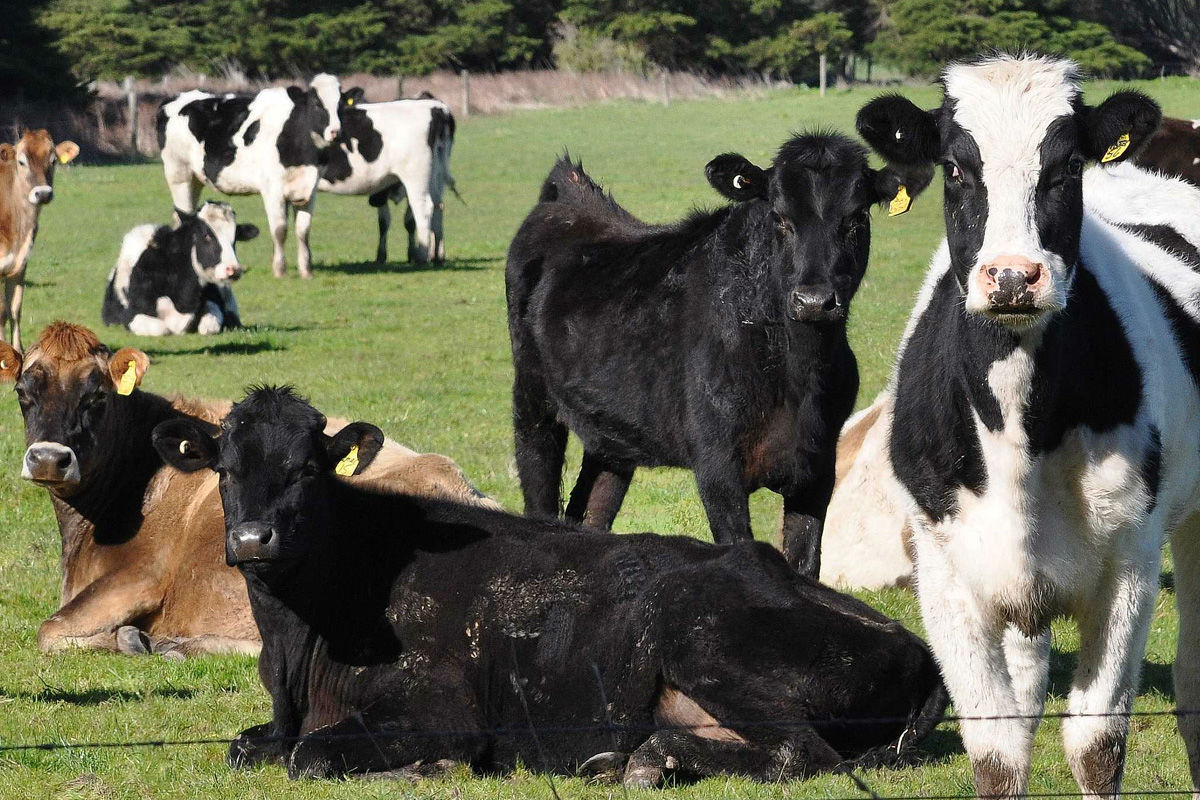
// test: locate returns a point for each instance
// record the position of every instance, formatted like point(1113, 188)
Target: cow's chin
point(62, 489)
point(1030, 313)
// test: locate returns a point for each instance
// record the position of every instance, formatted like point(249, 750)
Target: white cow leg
point(385, 223)
point(1113, 625)
point(277, 222)
point(970, 648)
point(421, 239)
point(1029, 668)
point(146, 325)
point(1185, 547)
point(14, 292)
point(176, 321)
point(212, 320)
point(303, 225)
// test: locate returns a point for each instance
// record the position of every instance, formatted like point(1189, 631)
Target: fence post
point(399, 87)
point(466, 93)
point(666, 89)
point(132, 103)
point(824, 65)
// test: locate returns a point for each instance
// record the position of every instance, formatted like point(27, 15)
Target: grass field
point(424, 354)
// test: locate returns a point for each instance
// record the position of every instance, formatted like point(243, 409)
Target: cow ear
point(899, 131)
point(10, 363)
point(899, 187)
point(245, 232)
point(352, 97)
point(7, 152)
point(126, 369)
point(353, 448)
point(1117, 129)
point(733, 176)
point(66, 152)
point(297, 95)
point(186, 443)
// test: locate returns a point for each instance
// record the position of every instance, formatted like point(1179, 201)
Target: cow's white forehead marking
point(329, 89)
point(1007, 103)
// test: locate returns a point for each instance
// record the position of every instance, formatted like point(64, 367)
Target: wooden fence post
point(466, 93)
point(399, 87)
point(666, 89)
point(824, 66)
point(131, 100)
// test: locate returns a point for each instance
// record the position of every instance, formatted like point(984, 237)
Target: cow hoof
point(603, 767)
point(132, 642)
point(306, 274)
point(644, 778)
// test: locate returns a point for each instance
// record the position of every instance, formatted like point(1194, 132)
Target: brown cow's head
point(35, 157)
point(67, 385)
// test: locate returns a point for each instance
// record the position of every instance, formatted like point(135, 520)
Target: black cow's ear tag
point(349, 464)
point(128, 380)
point(349, 101)
point(901, 203)
point(1117, 149)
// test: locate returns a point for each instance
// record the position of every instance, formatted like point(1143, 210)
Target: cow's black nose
point(816, 304)
point(250, 541)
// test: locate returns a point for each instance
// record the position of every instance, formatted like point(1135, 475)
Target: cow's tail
point(921, 723)
point(441, 141)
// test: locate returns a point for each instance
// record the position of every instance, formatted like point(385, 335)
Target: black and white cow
point(1046, 422)
point(273, 143)
point(716, 343)
point(390, 151)
point(177, 279)
point(399, 629)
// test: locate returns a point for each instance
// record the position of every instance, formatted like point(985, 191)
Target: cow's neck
point(110, 506)
point(18, 219)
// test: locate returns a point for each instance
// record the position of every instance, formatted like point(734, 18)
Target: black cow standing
point(399, 630)
point(716, 343)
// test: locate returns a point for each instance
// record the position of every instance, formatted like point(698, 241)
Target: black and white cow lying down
point(399, 630)
point(177, 279)
point(717, 343)
point(391, 151)
point(273, 144)
point(1046, 422)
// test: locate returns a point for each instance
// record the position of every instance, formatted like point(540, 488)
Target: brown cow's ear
point(127, 368)
point(186, 443)
point(10, 363)
point(7, 152)
point(353, 448)
point(66, 152)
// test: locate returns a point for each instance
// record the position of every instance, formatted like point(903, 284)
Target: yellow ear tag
point(347, 465)
point(1117, 149)
point(349, 101)
point(128, 380)
point(900, 203)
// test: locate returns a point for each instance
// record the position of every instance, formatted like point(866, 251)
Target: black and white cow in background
point(1046, 421)
point(176, 279)
point(390, 151)
point(273, 143)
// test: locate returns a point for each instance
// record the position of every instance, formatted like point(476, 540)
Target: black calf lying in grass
point(398, 629)
point(717, 343)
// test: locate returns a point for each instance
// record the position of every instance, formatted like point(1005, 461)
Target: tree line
point(52, 45)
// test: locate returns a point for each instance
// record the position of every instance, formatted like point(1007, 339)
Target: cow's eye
point(1075, 166)
point(953, 173)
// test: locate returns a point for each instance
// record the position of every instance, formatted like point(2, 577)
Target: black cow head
point(1012, 135)
point(813, 208)
point(275, 465)
point(69, 386)
point(210, 237)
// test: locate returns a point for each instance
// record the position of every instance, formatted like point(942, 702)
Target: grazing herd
point(1038, 443)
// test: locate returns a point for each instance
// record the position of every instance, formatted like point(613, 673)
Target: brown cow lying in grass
point(143, 564)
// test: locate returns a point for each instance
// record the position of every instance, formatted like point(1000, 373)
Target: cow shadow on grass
point(1156, 678)
point(402, 267)
point(94, 697)
point(222, 349)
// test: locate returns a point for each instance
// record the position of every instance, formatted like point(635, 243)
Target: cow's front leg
point(1185, 550)
point(91, 619)
point(599, 491)
point(15, 298)
point(257, 745)
point(304, 215)
point(803, 520)
point(969, 646)
point(1113, 625)
point(380, 201)
point(726, 501)
point(276, 208)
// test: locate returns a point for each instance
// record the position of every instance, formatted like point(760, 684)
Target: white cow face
point(215, 233)
point(329, 92)
point(1012, 136)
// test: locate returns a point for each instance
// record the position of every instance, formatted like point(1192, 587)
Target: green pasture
point(423, 352)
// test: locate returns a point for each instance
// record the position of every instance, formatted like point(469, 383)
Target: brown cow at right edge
point(26, 184)
point(143, 545)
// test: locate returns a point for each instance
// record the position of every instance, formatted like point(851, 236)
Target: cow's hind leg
point(1113, 627)
point(277, 221)
point(599, 491)
point(379, 201)
point(1185, 550)
point(690, 755)
point(541, 443)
